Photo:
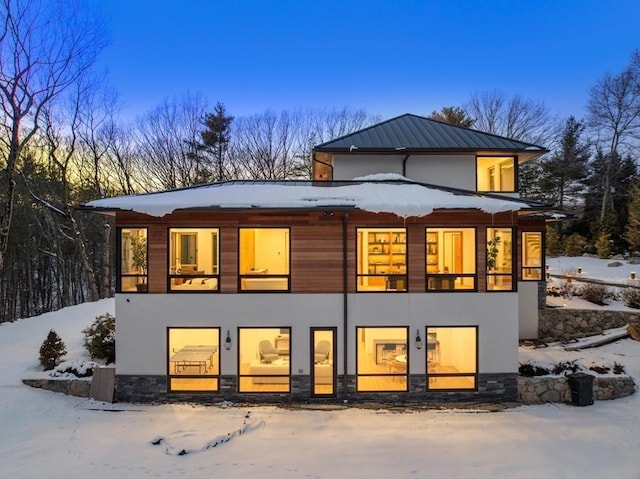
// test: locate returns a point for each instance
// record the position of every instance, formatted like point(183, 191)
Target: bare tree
point(44, 48)
point(167, 136)
point(614, 115)
point(515, 117)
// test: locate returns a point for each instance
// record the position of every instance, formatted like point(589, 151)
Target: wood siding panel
point(316, 258)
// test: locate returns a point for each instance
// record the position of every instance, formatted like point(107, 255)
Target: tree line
point(63, 143)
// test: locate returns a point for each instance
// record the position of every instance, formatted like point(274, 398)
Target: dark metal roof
point(416, 133)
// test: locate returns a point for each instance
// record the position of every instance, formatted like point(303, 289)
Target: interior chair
point(321, 352)
point(268, 353)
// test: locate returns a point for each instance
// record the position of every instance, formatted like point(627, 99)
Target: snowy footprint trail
point(247, 425)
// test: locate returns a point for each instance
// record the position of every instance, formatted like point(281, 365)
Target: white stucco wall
point(142, 321)
point(457, 171)
point(528, 309)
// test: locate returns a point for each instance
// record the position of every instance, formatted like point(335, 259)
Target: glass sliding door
point(323, 362)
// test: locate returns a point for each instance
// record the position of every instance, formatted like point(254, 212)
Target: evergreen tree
point(51, 351)
point(564, 171)
point(632, 232)
point(454, 115)
point(215, 140)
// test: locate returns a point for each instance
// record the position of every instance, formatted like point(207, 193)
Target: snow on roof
point(402, 199)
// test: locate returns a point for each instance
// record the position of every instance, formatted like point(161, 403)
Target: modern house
point(406, 270)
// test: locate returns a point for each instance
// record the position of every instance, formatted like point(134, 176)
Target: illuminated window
point(263, 358)
point(451, 259)
point(382, 259)
point(452, 358)
point(264, 259)
point(194, 359)
point(133, 260)
point(382, 360)
point(496, 174)
point(532, 257)
point(499, 259)
point(193, 254)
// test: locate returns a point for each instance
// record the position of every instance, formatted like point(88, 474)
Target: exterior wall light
point(579, 269)
point(418, 340)
point(227, 341)
point(632, 275)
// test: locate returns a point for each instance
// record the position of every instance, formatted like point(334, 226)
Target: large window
point(500, 259)
point(133, 260)
point(382, 359)
point(264, 259)
point(452, 358)
point(496, 173)
point(263, 358)
point(382, 259)
point(532, 256)
point(451, 259)
point(193, 359)
point(193, 259)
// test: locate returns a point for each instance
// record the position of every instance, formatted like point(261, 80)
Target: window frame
point(512, 272)
point(185, 277)
point(475, 375)
point(498, 173)
point(286, 276)
point(396, 277)
point(251, 376)
point(391, 375)
point(461, 275)
point(170, 376)
point(541, 267)
point(119, 273)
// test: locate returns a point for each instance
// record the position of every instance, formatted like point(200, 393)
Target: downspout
point(345, 309)
point(315, 160)
point(404, 166)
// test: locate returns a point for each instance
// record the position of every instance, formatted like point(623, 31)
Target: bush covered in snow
point(74, 369)
point(631, 297)
point(100, 338)
point(52, 350)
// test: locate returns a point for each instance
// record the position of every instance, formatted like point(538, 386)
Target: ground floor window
point(263, 359)
point(382, 359)
point(193, 359)
point(452, 357)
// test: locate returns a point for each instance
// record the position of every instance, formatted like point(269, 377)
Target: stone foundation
point(491, 388)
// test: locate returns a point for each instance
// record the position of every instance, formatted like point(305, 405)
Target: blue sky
point(388, 57)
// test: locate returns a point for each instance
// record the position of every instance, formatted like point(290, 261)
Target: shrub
point(596, 293)
point(618, 368)
point(562, 368)
point(631, 297)
point(100, 338)
point(52, 350)
point(603, 246)
point(599, 369)
point(530, 370)
point(574, 245)
point(77, 369)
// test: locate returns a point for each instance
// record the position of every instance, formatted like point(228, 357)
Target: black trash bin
point(581, 386)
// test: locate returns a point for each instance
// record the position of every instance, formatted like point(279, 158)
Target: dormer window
point(496, 174)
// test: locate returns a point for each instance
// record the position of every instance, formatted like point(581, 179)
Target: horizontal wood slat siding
point(316, 242)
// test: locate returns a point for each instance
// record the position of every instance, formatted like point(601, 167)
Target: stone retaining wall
point(556, 324)
point(543, 389)
point(72, 387)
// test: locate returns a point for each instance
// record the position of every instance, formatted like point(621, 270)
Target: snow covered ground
point(52, 435)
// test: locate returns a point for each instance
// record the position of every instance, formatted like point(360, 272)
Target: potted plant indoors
point(493, 248)
point(139, 261)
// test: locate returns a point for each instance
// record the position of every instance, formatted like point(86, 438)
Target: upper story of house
point(427, 151)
